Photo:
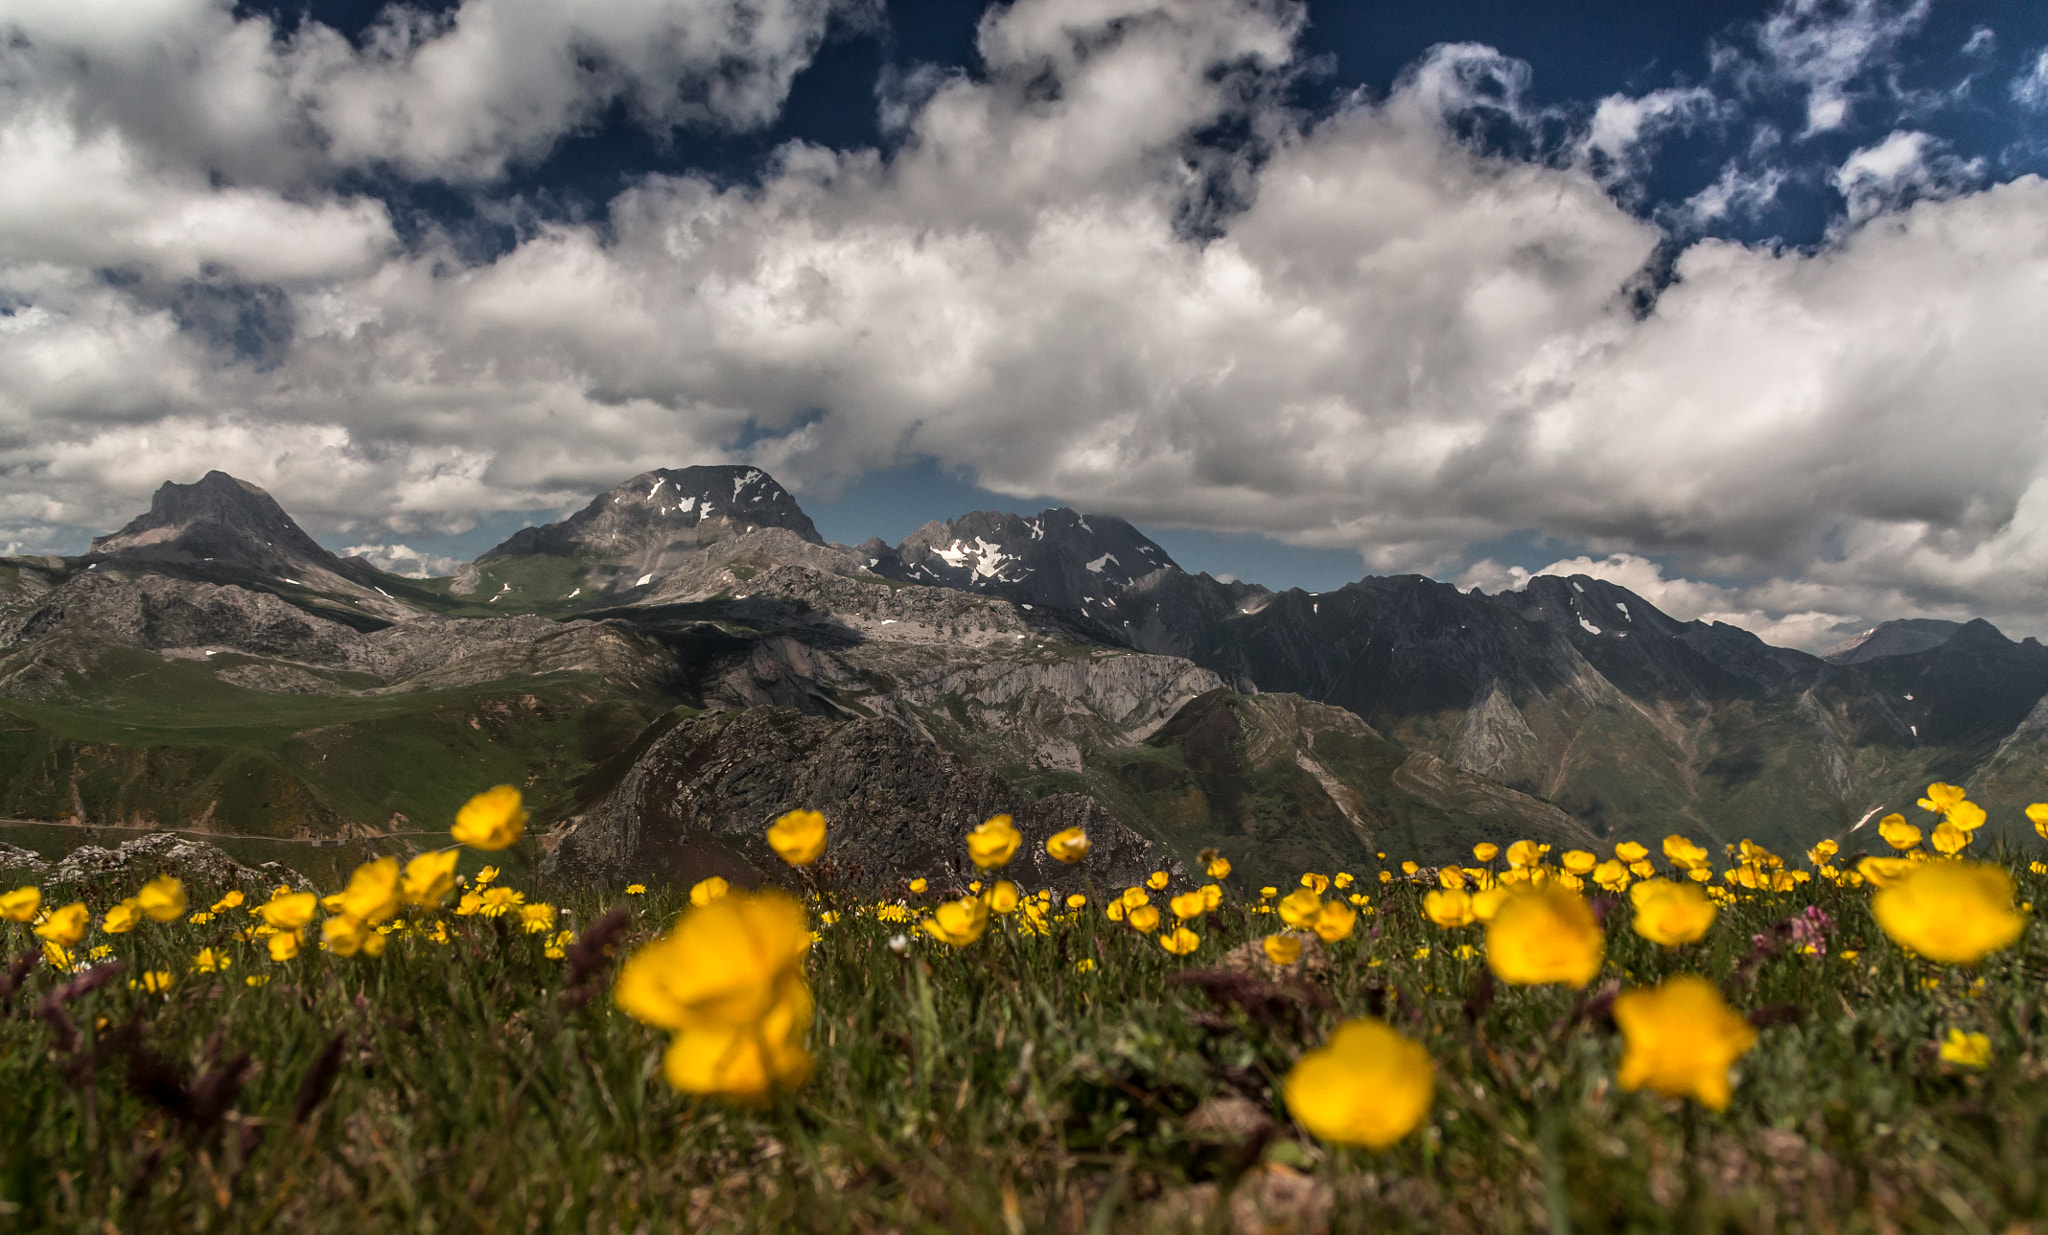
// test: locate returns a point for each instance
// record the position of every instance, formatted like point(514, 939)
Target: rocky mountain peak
point(1900, 637)
point(222, 521)
point(1059, 558)
point(667, 508)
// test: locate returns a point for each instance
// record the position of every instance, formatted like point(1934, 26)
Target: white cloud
point(1823, 46)
point(1392, 342)
point(1623, 127)
point(1902, 168)
point(2030, 89)
point(404, 560)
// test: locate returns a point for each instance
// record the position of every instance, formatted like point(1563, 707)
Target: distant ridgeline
point(686, 657)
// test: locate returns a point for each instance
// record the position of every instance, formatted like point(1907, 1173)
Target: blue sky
point(1735, 304)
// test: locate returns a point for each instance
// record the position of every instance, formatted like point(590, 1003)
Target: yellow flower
point(2037, 814)
point(1144, 919)
point(1681, 1038)
point(1487, 902)
point(1212, 896)
point(65, 927)
point(20, 905)
point(1180, 941)
point(1948, 838)
point(1629, 852)
point(1343, 880)
point(210, 961)
point(429, 877)
point(1449, 908)
point(497, 902)
point(1268, 893)
point(288, 911)
point(57, 957)
point(1485, 851)
point(1299, 908)
point(1156, 881)
point(200, 919)
point(745, 1063)
point(1069, 845)
point(994, 843)
point(1219, 868)
point(486, 875)
point(346, 936)
point(492, 820)
point(1544, 933)
point(1283, 949)
point(162, 899)
point(1682, 853)
point(1334, 921)
point(1524, 854)
point(1670, 913)
point(704, 891)
point(725, 965)
point(232, 900)
point(1579, 862)
point(958, 922)
point(1115, 911)
point(1966, 815)
point(1409, 868)
point(1968, 1050)
point(1952, 912)
point(1189, 905)
point(256, 979)
point(1367, 1086)
point(798, 837)
point(1897, 832)
point(284, 945)
point(537, 918)
point(1883, 872)
point(1003, 897)
point(640, 889)
point(1941, 797)
point(1316, 884)
point(918, 885)
point(372, 893)
point(1611, 875)
point(155, 981)
point(1134, 897)
point(122, 918)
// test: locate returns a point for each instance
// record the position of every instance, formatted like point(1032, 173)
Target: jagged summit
point(222, 521)
point(1900, 637)
point(668, 508)
point(1057, 557)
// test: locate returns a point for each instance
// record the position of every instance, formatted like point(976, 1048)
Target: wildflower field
point(1652, 1038)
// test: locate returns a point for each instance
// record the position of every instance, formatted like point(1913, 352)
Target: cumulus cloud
point(1824, 46)
point(404, 560)
point(1362, 328)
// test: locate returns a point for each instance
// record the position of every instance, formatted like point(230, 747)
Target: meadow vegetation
point(1535, 1040)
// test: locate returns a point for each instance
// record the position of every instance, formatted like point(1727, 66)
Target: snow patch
point(658, 483)
point(573, 595)
point(1577, 588)
point(743, 482)
point(1590, 628)
point(1909, 697)
point(1095, 566)
point(688, 504)
point(1624, 609)
point(644, 580)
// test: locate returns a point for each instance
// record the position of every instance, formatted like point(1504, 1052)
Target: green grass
point(998, 1088)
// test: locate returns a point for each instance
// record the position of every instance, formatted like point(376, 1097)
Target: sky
point(1738, 305)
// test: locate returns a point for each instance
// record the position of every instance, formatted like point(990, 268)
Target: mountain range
point(687, 656)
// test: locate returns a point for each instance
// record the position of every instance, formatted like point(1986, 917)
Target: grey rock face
point(666, 509)
point(698, 800)
point(221, 520)
point(1902, 637)
point(163, 853)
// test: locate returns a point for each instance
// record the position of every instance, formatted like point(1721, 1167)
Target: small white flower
point(899, 944)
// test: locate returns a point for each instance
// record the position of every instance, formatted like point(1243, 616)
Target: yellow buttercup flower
point(1003, 897)
point(1883, 872)
point(210, 961)
point(122, 918)
point(162, 899)
point(1940, 797)
point(372, 894)
point(1524, 854)
point(1966, 815)
point(798, 837)
point(65, 927)
point(1189, 905)
point(994, 843)
point(1579, 862)
point(492, 820)
point(1948, 838)
point(1283, 949)
point(704, 891)
point(1670, 913)
point(1544, 933)
point(1212, 896)
point(1682, 853)
point(155, 981)
point(1611, 875)
point(233, 900)
point(723, 966)
point(346, 936)
point(1487, 901)
point(1629, 852)
point(1952, 912)
point(284, 945)
point(1299, 908)
point(1316, 884)
point(1144, 919)
point(1134, 897)
point(20, 905)
point(430, 877)
point(1450, 908)
point(958, 922)
point(918, 885)
point(1681, 1039)
point(1218, 868)
point(1076, 900)
point(1485, 851)
point(1968, 1050)
point(1897, 832)
point(1334, 921)
point(1367, 1086)
point(2037, 814)
point(288, 911)
point(1068, 845)
point(1157, 881)
point(745, 1063)
point(1180, 940)
point(486, 875)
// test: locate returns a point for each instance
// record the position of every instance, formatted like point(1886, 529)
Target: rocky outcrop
point(697, 799)
point(122, 870)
